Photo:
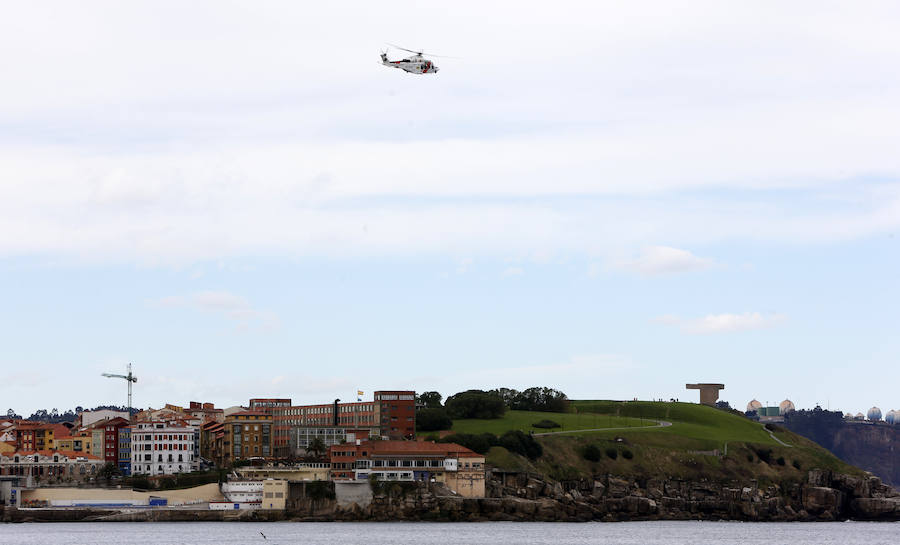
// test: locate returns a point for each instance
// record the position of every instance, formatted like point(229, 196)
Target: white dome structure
point(786, 406)
point(892, 417)
point(874, 414)
point(753, 405)
point(848, 416)
point(860, 416)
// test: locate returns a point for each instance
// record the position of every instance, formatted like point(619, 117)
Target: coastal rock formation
point(823, 496)
point(528, 497)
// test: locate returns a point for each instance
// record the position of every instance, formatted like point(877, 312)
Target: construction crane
point(130, 378)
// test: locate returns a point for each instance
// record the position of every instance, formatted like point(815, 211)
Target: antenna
point(130, 378)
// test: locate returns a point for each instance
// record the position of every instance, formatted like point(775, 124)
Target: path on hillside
point(659, 424)
point(780, 442)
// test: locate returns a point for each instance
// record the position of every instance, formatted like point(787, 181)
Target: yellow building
point(77, 442)
point(275, 494)
point(468, 479)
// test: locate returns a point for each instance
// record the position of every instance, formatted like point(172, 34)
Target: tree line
point(432, 415)
point(53, 416)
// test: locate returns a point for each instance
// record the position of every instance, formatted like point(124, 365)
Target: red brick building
point(110, 449)
point(391, 414)
point(397, 411)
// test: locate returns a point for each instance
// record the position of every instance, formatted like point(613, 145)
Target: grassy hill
point(523, 420)
point(693, 446)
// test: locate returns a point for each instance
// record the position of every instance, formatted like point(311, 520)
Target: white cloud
point(657, 260)
point(723, 323)
point(228, 305)
point(158, 163)
point(513, 271)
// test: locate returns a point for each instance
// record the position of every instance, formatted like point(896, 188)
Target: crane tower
point(130, 378)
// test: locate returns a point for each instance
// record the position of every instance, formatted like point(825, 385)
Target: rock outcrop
point(529, 497)
point(823, 496)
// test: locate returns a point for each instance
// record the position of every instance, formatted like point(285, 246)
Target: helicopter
point(415, 64)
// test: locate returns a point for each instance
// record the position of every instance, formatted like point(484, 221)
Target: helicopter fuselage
point(415, 64)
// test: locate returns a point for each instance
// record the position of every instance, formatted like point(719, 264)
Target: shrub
point(546, 424)
point(480, 443)
point(592, 453)
point(521, 443)
point(796, 464)
point(750, 458)
point(765, 455)
point(780, 460)
point(627, 454)
point(140, 482)
point(612, 453)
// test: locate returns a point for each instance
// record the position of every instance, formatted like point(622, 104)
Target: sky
point(608, 198)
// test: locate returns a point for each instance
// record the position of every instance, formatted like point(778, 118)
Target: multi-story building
point(392, 414)
point(460, 469)
point(162, 448)
point(247, 434)
point(212, 442)
point(124, 450)
point(397, 411)
point(303, 437)
point(30, 435)
point(79, 441)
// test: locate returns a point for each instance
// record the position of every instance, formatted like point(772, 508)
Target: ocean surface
point(491, 533)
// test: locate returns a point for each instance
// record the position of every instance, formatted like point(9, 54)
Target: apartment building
point(124, 450)
point(247, 434)
point(162, 448)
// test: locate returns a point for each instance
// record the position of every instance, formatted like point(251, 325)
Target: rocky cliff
point(528, 497)
point(874, 447)
point(519, 496)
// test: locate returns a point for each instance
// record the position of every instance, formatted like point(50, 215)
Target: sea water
point(489, 533)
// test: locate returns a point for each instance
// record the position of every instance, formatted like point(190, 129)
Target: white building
point(243, 491)
point(162, 448)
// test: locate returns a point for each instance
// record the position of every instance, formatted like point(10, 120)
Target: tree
point(317, 447)
point(109, 470)
point(475, 404)
point(540, 399)
point(508, 395)
point(433, 420)
point(431, 400)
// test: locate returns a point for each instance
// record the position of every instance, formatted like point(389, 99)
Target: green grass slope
point(523, 420)
point(692, 447)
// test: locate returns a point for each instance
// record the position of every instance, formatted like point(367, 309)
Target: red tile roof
point(421, 448)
